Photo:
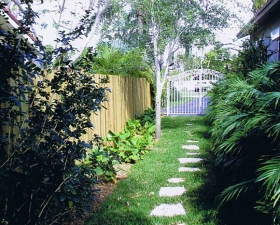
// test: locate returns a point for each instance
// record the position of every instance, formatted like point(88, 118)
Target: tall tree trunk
point(158, 112)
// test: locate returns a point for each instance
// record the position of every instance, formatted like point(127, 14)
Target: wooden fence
point(128, 96)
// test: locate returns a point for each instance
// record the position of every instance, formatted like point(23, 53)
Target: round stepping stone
point(192, 153)
point(176, 180)
point(190, 147)
point(168, 210)
point(190, 160)
point(171, 191)
point(191, 141)
point(188, 169)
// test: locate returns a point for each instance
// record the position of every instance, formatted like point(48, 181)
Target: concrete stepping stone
point(190, 160)
point(189, 124)
point(191, 141)
point(190, 147)
point(176, 180)
point(188, 169)
point(192, 153)
point(168, 210)
point(171, 191)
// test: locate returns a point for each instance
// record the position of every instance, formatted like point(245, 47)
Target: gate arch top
point(195, 74)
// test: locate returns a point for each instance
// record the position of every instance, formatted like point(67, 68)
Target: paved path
point(166, 210)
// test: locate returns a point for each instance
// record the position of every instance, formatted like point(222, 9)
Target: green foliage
point(257, 4)
point(40, 181)
point(218, 59)
point(100, 163)
point(114, 61)
point(148, 115)
point(132, 143)
point(245, 133)
point(253, 55)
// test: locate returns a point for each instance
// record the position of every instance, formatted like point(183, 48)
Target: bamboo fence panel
point(129, 96)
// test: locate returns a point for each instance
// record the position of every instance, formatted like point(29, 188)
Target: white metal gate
point(186, 93)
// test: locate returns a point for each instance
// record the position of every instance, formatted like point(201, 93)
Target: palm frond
point(269, 173)
point(234, 191)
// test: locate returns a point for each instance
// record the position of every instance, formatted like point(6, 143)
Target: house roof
point(270, 8)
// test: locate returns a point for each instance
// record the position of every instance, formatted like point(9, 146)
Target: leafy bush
point(254, 54)
point(132, 143)
point(148, 115)
point(246, 133)
point(41, 126)
point(101, 163)
point(116, 61)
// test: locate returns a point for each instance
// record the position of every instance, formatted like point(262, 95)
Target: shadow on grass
point(117, 215)
point(122, 207)
point(118, 219)
point(238, 212)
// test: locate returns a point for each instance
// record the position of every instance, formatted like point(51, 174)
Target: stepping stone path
point(171, 191)
point(176, 180)
point(191, 141)
point(190, 147)
point(188, 169)
point(190, 160)
point(168, 210)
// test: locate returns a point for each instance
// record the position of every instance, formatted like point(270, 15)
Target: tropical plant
point(117, 61)
point(132, 143)
point(253, 55)
point(100, 164)
point(245, 134)
point(148, 116)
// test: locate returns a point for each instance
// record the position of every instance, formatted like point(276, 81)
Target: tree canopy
point(162, 27)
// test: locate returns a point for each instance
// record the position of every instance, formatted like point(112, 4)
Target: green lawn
point(135, 197)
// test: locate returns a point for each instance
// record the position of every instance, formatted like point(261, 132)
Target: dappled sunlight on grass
point(135, 197)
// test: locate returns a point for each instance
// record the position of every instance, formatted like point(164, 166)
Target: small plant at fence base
point(132, 143)
point(101, 163)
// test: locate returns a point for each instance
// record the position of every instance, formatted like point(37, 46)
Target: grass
point(135, 197)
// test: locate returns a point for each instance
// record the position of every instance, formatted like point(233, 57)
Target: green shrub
point(100, 164)
point(132, 143)
point(246, 138)
point(148, 115)
point(40, 181)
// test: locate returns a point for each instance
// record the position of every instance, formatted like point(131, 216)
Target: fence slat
point(129, 96)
